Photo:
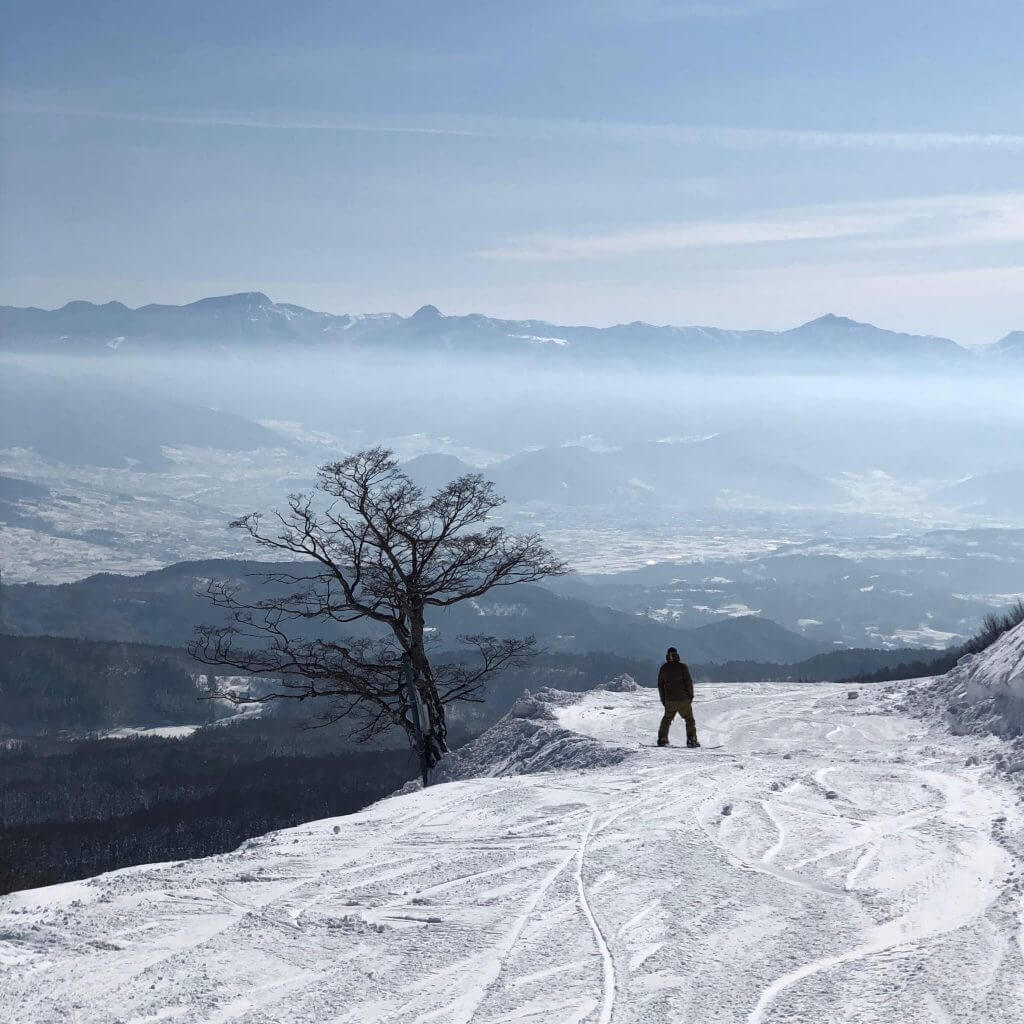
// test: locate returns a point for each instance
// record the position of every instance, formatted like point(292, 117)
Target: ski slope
point(834, 861)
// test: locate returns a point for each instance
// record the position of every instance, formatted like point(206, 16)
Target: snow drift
point(984, 693)
point(529, 739)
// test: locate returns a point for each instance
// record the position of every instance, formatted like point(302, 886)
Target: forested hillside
point(71, 809)
point(56, 683)
point(164, 606)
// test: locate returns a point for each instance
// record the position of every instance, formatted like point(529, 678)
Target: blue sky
point(738, 163)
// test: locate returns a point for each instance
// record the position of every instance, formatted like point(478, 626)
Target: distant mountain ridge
point(251, 318)
point(1011, 345)
point(163, 606)
point(696, 473)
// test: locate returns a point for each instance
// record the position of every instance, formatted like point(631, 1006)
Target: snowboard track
point(840, 865)
point(607, 963)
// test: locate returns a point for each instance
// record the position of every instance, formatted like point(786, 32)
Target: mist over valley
point(849, 484)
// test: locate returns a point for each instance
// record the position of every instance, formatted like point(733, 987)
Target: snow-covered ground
point(172, 732)
point(984, 694)
point(833, 861)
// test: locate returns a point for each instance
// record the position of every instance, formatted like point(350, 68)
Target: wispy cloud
point(549, 129)
point(730, 137)
point(679, 10)
point(943, 220)
point(392, 126)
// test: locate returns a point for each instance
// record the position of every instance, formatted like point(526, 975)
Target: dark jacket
point(675, 682)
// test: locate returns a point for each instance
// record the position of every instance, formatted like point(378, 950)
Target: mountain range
point(696, 473)
point(163, 606)
point(251, 318)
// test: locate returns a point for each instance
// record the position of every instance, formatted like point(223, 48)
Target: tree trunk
point(435, 731)
point(415, 732)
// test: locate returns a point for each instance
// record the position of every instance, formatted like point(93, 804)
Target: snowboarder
point(675, 687)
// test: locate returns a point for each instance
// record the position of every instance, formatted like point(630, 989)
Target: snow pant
point(683, 708)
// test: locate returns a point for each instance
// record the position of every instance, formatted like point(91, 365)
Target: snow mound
point(985, 692)
point(529, 740)
point(621, 684)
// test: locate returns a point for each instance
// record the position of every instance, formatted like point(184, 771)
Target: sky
point(744, 163)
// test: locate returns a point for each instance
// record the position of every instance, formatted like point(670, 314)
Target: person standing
point(675, 687)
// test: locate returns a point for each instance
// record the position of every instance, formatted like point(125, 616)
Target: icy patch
point(529, 740)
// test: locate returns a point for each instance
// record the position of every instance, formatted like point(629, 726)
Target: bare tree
point(381, 552)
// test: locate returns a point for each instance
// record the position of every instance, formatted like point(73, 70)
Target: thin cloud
point(239, 121)
point(666, 10)
point(557, 130)
point(760, 138)
point(944, 220)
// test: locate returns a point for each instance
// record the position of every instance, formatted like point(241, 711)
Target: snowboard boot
point(662, 743)
point(693, 744)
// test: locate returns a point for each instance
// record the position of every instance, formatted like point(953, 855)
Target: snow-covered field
point(834, 861)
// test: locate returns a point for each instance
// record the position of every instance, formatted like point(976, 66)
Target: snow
point(624, 683)
point(922, 636)
point(984, 693)
point(538, 339)
point(863, 873)
point(171, 732)
point(737, 610)
point(925, 636)
point(530, 739)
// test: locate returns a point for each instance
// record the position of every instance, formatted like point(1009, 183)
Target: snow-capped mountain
point(223, 319)
point(842, 337)
point(251, 318)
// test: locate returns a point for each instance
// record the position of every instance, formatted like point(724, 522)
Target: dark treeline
point(70, 809)
point(57, 684)
point(830, 667)
point(53, 683)
point(909, 669)
point(993, 626)
point(583, 672)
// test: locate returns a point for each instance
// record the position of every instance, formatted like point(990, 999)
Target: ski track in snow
point(842, 864)
point(608, 965)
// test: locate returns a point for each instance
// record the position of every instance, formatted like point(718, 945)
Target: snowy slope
point(833, 861)
point(984, 693)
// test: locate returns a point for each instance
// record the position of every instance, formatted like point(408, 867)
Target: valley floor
point(833, 861)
